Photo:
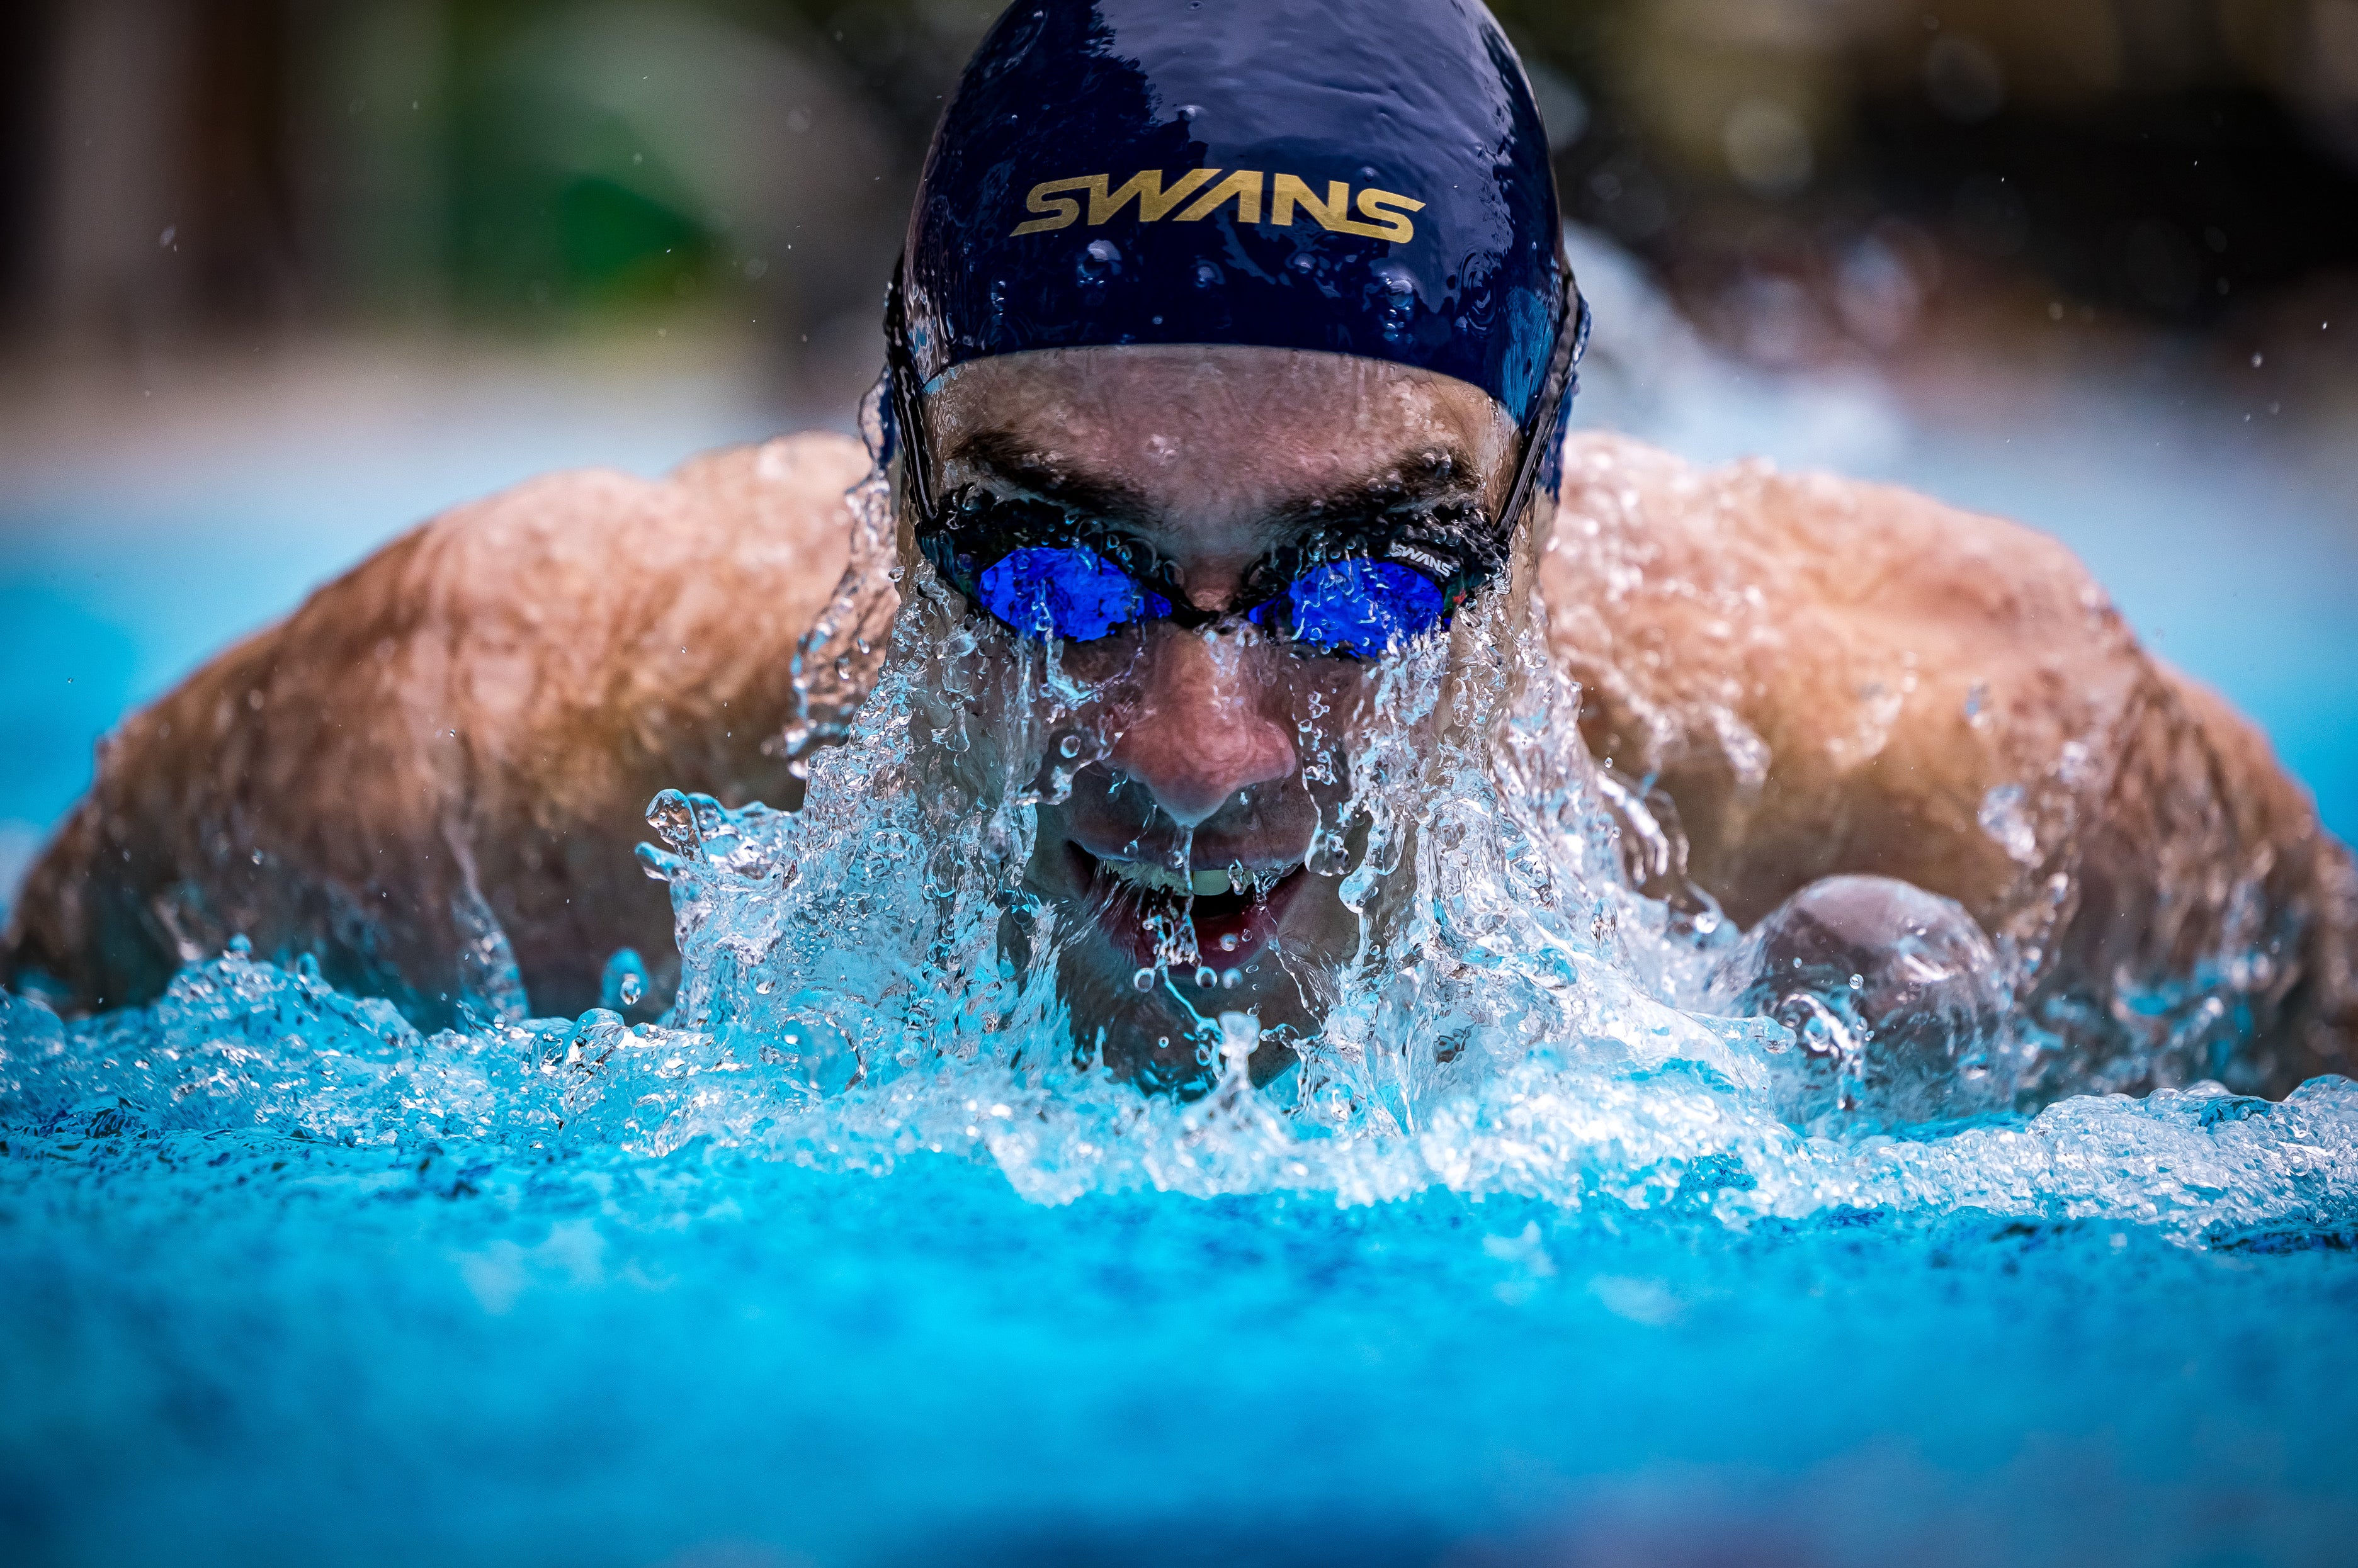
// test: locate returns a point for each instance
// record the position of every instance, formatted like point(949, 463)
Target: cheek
point(1020, 712)
point(1105, 666)
point(1324, 698)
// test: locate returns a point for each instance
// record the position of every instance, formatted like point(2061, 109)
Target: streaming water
point(1584, 1221)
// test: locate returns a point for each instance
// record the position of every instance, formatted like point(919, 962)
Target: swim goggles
point(1355, 592)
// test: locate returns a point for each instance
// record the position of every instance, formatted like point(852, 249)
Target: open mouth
point(1138, 903)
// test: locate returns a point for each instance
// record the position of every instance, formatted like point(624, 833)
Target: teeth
point(1162, 879)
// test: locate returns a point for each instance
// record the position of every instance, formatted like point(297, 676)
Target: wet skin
point(1210, 739)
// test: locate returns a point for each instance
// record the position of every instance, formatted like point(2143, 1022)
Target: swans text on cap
point(1383, 214)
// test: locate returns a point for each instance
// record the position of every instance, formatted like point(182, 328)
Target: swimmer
point(1230, 348)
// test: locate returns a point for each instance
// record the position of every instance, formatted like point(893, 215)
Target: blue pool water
point(245, 1349)
point(282, 1281)
point(319, 1290)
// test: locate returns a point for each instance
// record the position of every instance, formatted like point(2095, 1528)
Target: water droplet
point(624, 980)
point(1100, 262)
point(1230, 980)
point(2004, 815)
point(1228, 942)
point(673, 819)
point(1207, 274)
point(1205, 978)
point(1394, 288)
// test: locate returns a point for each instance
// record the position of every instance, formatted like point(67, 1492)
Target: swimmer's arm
point(1828, 676)
point(464, 731)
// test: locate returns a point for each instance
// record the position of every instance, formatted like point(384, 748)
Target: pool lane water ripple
point(246, 1346)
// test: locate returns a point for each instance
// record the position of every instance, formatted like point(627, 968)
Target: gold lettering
point(1060, 210)
point(1383, 214)
point(1387, 223)
point(1287, 190)
point(1153, 201)
point(1244, 185)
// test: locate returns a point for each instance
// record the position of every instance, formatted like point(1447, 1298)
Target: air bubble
point(1143, 980)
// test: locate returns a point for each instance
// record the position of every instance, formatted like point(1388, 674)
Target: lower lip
point(1120, 915)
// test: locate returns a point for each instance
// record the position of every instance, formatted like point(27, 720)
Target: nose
point(1197, 735)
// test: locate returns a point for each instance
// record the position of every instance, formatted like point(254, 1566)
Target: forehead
point(1221, 428)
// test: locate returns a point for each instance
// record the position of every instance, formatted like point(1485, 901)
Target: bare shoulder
point(599, 543)
point(459, 736)
point(1826, 672)
point(1649, 553)
point(1824, 676)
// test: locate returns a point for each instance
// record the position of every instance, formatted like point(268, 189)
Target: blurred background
point(280, 278)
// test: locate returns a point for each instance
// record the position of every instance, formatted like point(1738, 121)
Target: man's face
point(1214, 457)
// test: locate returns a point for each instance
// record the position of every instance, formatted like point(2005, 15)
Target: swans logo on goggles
point(1383, 214)
point(1425, 561)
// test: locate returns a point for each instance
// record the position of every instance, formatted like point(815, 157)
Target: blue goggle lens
point(1362, 608)
point(1065, 590)
point(1356, 607)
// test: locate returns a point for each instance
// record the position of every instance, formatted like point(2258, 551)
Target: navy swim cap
point(1363, 176)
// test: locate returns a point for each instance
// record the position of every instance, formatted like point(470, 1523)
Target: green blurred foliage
point(537, 165)
point(566, 195)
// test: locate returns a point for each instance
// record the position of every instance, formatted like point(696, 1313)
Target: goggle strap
point(907, 429)
point(1571, 342)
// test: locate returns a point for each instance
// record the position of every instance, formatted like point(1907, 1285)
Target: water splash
point(868, 980)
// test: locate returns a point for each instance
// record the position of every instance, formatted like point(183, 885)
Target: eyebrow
point(1436, 473)
point(1005, 457)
